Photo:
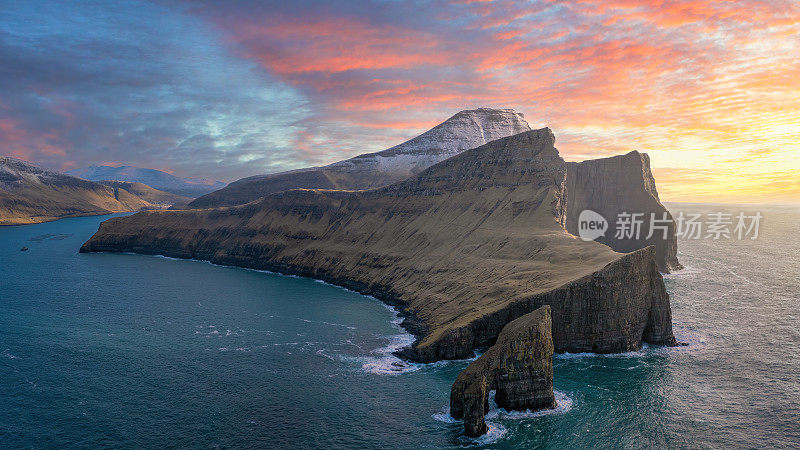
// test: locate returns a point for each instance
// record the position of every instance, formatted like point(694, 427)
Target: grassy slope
point(466, 238)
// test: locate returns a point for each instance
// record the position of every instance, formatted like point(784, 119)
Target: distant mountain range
point(31, 194)
point(187, 187)
point(463, 131)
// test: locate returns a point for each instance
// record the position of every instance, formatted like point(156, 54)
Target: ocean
point(106, 350)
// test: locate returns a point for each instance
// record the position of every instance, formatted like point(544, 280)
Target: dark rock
point(519, 366)
point(621, 184)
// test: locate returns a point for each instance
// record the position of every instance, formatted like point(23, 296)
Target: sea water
point(107, 350)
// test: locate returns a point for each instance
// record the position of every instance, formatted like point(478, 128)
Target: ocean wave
point(646, 350)
point(563, 406)
point(333, 324)
point(444, 416)
point(494, 433)
point(497, 431)
point(322, 352)
point(690, 341)
point(686, 272)
point(633, 354)
point(386, 363)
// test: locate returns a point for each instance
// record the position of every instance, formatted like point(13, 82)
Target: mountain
point(595, 184)
point(463, 131)
point(186, 187)
point(153, 196)
point(30, 194)
point(463, 248)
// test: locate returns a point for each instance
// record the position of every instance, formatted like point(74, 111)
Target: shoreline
point(408, 323)
point(394, 306)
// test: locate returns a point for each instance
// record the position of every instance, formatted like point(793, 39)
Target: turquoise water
point(101, 350)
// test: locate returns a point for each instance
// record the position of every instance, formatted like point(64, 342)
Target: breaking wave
point(497, 431)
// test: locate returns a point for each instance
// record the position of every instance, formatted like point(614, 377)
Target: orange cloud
point(709, 88)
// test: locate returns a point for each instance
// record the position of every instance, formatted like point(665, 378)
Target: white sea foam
point(497, 431)
point(686, 272)
point(694, 342)
point(444, 416)
point(237, 349)
point(646, 350)
point(321, 352)
point(338, 325)
point(494, 433)
point(385, 362)
point(563, 405)
point(333, 324)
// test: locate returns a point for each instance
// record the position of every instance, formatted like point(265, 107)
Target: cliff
point(463, 131)
point(622, 184)
point(608, 186)
point(519, 366)
point(30, 194)
point(463, 248)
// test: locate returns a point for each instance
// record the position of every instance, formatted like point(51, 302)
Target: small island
point(463, 249)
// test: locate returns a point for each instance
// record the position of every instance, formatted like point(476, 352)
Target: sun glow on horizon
point(709, 89)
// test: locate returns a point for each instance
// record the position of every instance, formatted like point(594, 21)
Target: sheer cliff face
point(608, 186)
point(463, 131)
point(621, 184)
point(464, 248)
point(30, 194)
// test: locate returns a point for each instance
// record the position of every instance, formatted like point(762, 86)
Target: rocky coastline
point(462, 249)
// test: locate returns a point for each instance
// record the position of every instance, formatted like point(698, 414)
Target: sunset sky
point(710, 89)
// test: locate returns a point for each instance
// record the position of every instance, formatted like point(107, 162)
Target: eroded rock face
point(612, 310)
point(621, 184)
point(463, 248)
point(519, 366)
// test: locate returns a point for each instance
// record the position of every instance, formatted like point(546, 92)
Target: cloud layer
point(227, 89)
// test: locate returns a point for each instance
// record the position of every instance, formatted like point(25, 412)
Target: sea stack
point(519, 367)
